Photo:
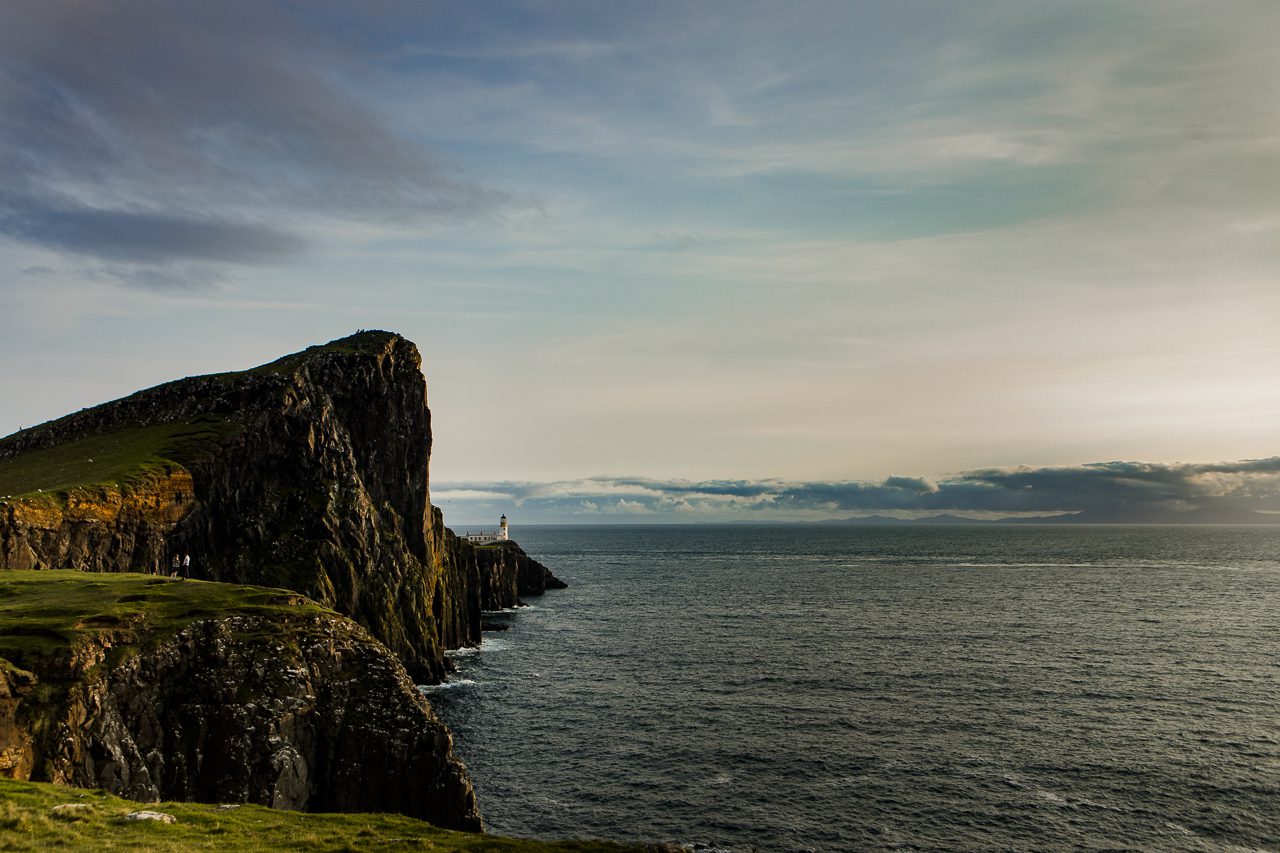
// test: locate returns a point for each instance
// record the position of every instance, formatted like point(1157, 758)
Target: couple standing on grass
point(183, 564)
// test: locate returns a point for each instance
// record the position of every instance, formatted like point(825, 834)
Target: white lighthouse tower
point(490, 537)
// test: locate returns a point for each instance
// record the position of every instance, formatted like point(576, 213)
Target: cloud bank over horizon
point(1103, 489)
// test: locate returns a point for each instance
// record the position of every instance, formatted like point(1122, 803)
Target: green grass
point(27, 823)
point(44, 613)
point(124, 458)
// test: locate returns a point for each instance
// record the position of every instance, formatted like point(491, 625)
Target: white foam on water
point(447, 685)
point(1052, 797)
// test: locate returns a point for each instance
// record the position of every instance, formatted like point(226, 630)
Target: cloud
point(156, 132)
point(1099, 488)
point(118, 235)
point(517, 48)
point(918, 485)
point(621, 507)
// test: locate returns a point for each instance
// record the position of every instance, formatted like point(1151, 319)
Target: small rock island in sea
point(326, 585)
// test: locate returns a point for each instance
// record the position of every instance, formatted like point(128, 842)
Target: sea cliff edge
point(309, 475)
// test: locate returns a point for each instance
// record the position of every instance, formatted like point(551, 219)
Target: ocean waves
point(851, 688)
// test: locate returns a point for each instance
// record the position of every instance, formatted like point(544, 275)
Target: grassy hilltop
point(45, 614)
point(28, 822)
point(126, 458)
point(131, 454)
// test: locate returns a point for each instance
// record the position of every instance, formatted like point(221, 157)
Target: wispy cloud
point(514, 49)
point(162, 132)
point(147, 237)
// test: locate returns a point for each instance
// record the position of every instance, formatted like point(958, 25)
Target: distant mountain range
point(1202, 515)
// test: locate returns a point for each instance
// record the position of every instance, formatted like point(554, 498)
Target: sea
point(832, 688)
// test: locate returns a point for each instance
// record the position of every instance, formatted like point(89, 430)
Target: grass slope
point(27, 822)
point(42, 613)
point(125, 458)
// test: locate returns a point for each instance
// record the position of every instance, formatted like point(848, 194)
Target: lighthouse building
point(490, 537)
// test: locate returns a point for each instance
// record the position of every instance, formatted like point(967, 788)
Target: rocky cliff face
point(507, 573)
point(108, 528)
point(293, 708)
point(494, 577)
point(309, 473)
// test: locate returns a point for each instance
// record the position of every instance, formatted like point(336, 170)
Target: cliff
point(157, 689)
point(308, 473)
point(506, 572)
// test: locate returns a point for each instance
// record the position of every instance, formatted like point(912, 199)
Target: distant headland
point(325, 584)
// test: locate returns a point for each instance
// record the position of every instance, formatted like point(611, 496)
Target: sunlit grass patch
point(126, 458)
point(28, 822)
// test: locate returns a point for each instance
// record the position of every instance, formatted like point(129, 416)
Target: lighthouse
point(490, 537)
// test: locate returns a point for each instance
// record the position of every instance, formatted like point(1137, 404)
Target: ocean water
point(843, 688)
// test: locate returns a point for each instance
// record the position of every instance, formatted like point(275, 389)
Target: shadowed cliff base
point(308, 473)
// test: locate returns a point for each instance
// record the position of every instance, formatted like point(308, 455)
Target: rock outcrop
point(491, 577)
point(309, 473)
point(507, 573)
point(271, 701)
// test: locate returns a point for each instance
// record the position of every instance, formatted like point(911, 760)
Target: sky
point(678, 261)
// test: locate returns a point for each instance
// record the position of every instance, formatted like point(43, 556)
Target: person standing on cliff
point(186, 567)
